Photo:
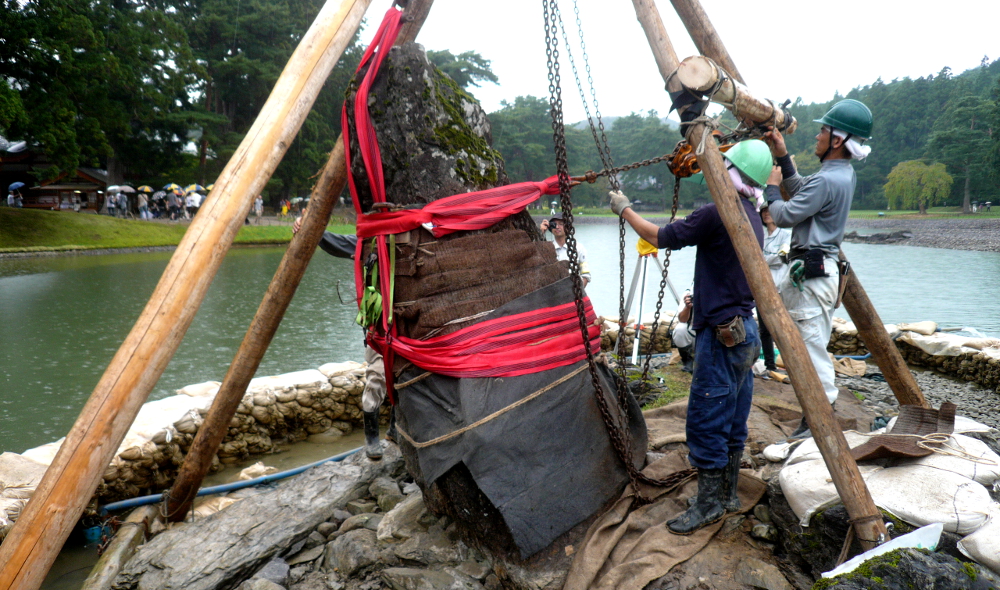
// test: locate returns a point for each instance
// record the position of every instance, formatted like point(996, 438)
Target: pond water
point(64, 317)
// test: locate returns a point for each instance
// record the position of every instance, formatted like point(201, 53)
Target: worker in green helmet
point(816, 209)
point(726, 342)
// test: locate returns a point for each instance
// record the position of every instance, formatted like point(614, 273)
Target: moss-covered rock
point(905, 569)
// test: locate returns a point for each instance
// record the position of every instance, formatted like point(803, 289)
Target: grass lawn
point(27, 230)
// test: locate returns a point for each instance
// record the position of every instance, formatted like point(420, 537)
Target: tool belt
point(813, 261)
point(731, 333)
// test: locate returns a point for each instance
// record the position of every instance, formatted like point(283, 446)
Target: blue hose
point(227, 487)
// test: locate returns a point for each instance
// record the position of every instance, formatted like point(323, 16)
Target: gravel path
point(972, 400)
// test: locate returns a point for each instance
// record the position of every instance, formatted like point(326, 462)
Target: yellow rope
point(480, 422)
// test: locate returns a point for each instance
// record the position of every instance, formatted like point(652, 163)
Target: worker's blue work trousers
point(721, 394)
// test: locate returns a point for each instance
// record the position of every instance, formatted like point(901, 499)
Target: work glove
point(619, 202)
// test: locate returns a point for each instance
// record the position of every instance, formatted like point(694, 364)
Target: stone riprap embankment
point(982, 235)
point(975, 360)
point(319, 403)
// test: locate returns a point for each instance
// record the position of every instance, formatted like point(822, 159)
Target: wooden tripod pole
point(331, 182)
point(808, 388)
point(54, 509)
point(704, 35)
point(883, 349)
point(856, 301)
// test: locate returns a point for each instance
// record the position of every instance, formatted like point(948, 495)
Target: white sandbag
point(808, 451)
point(808, 487)
point(209, 506)
point(206, 389)
point(45, 453)
point(778, 451)
point(256, 470)
point(926, 328)
point(334, 369)
point(156, 419)
point(985, 470)
point(981, 343)
point(940, 344)
point(19, 475)
point(923, 495)
point(310, 380)
point(983, 545)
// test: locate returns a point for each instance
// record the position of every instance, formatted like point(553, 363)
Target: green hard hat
point(753, 158)
point(851, 116)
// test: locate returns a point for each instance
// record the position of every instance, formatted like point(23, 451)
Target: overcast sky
point(783, 49)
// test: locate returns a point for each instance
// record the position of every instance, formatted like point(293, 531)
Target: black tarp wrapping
point(546, 465)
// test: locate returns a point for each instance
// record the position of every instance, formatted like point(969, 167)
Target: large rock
point(224, 549)
point(904, 569)
point(352, 552)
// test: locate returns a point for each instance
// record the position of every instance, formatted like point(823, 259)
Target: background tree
point(466, 69)
point(99, 83)
point(962, 139)
point(915, 185)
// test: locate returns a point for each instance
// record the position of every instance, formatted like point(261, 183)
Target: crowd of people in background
point(173, 203)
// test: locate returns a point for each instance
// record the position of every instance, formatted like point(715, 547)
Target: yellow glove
point(645, 247)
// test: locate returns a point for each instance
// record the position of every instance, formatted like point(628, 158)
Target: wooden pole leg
point(332, 180)
point(54, 509)
point(883, 349)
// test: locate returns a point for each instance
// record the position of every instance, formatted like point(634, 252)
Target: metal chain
point(663, 286)
point(618, 431)
point(604, 152)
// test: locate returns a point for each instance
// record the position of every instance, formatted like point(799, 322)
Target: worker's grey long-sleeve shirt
point(818, 209)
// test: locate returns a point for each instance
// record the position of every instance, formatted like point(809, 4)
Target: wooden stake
point(703, 74)
point(805, 381)
point(332, 180)
point(808, 388)
point(54, 509)
point(883, 349)
point(703, 33)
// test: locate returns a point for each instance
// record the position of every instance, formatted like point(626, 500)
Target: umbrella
point(171, 186)
point(296, 200)
point(113, 189)
point(145, 189)
point(126, 189)
point(15, 185)
point(210, 187)
point(194, 188)
point(159, 194)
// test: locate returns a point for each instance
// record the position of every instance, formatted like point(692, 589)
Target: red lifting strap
point(464, 212)
point(508, 346)
point(513, 345)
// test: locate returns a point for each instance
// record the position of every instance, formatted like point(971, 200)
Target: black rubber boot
point(802, 431)
point(687, 358)
point(373, 447)
point(707, 506)
point(391, 433)
point(731, 483)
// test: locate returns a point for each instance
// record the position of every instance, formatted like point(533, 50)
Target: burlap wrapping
point(912, 423)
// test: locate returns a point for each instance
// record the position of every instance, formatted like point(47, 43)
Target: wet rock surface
point(957, 234)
